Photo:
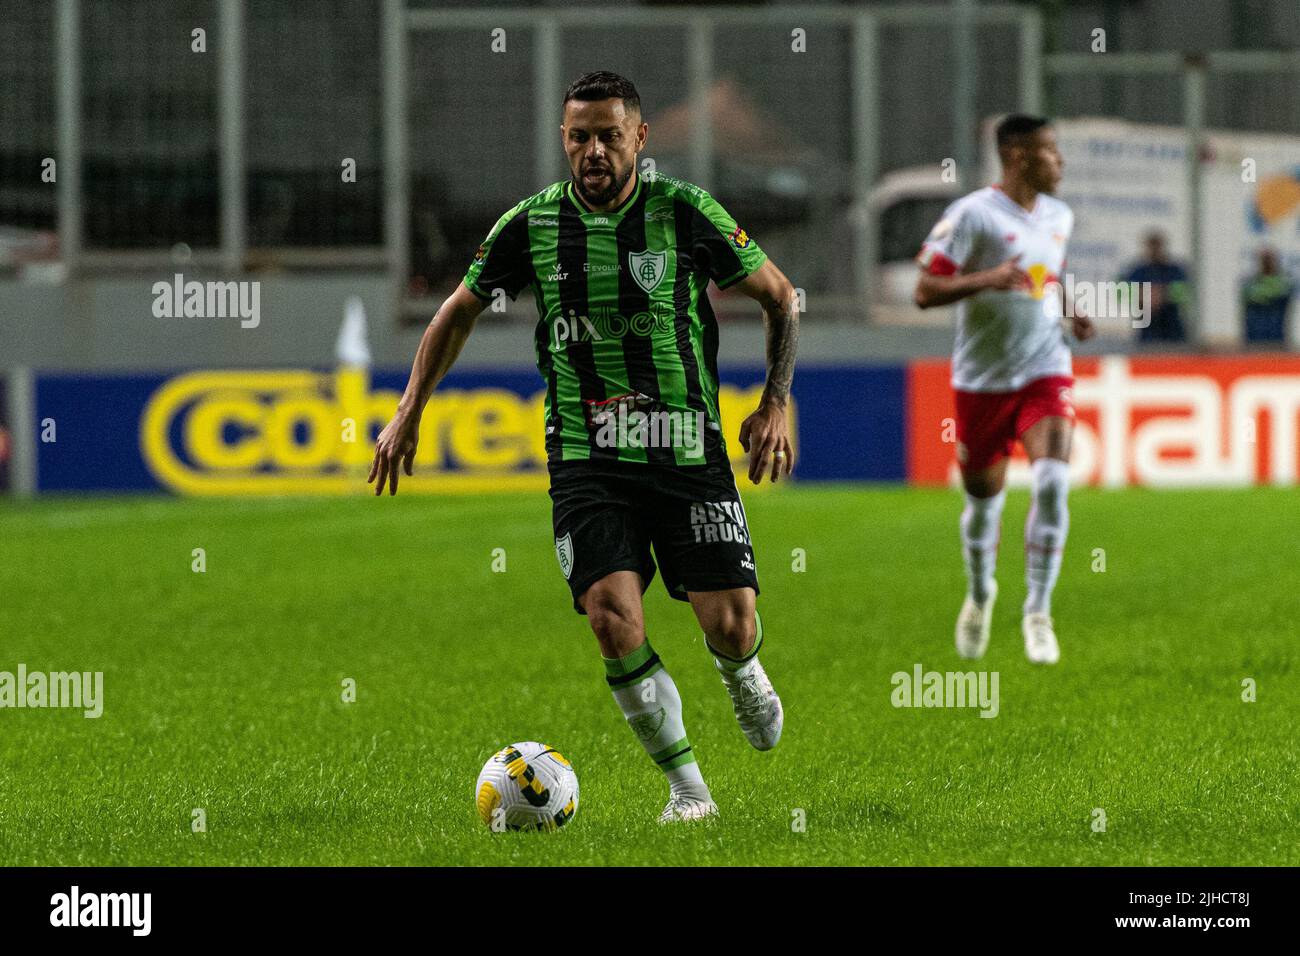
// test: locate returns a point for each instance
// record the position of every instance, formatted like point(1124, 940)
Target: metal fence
point(783, 113)
point(233, 135)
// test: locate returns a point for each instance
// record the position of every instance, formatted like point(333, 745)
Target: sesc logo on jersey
point(647, 268)
point(564, 552)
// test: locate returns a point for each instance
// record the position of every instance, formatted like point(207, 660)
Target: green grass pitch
point(224, 689)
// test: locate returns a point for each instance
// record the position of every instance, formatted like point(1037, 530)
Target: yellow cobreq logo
point(304, 432)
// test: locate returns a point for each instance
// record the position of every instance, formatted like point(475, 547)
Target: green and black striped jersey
point(625, 324)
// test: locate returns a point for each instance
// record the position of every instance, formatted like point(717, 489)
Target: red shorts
point(989, 423)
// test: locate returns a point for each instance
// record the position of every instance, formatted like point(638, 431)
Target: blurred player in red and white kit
point(998, 253)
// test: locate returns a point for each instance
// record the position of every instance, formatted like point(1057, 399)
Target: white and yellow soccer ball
point(526, 786)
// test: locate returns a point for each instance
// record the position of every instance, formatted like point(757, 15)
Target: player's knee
point(732, 630)
point(616, 624)
point(985, 483)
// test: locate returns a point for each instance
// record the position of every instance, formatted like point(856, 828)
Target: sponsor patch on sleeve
point(740, 239)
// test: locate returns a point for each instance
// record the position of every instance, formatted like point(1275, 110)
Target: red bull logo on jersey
point(1040, 280)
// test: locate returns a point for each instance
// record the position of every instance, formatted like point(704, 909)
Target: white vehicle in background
point(1122, 180)
point(906, 204)
point(30, 254)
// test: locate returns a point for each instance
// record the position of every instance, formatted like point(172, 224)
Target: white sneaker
point(758, 709)
point(973, 624)
point(681, 807)
point(1040, 639)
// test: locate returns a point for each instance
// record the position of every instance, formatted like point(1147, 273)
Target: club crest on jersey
point(740, 239)
point(564, 551)
point(647, 268)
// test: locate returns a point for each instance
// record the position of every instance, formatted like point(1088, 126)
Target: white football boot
point(974, 623)
point(758, 709)
point(683, 808)
point(1040, 639)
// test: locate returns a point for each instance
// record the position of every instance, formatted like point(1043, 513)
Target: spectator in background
point(1267, 295)
point(1168, 291)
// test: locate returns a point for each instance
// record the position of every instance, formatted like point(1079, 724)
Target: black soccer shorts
point(623, 517)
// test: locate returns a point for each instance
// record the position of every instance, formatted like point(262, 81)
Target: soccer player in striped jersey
point(998, 253)
point(619, 266)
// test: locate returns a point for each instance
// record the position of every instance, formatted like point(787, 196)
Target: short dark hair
point(604, 85)
point(1018, 125)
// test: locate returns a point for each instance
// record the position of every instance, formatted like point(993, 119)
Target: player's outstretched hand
point(1008, 275)
point(1082, 327)
point(396, 444)
point(766, 436)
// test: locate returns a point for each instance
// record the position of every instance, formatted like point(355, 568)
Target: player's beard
point(603, 196)
point(1048, 182)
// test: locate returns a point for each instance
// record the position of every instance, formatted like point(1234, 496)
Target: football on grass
point(526, 786)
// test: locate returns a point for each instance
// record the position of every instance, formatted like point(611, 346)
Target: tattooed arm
point(766, 433)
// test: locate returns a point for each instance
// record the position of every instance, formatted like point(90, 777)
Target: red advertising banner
point(1158, 422)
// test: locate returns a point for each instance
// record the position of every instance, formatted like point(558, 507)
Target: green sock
point(650, 702)
point(740, 666)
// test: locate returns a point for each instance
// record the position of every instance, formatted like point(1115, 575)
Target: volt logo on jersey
point(647, 268)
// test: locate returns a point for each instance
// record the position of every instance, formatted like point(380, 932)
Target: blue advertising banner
point(295, 431)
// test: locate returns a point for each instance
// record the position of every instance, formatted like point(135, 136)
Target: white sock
point(649, 700)
point(1045, 531)
point(981, 527)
